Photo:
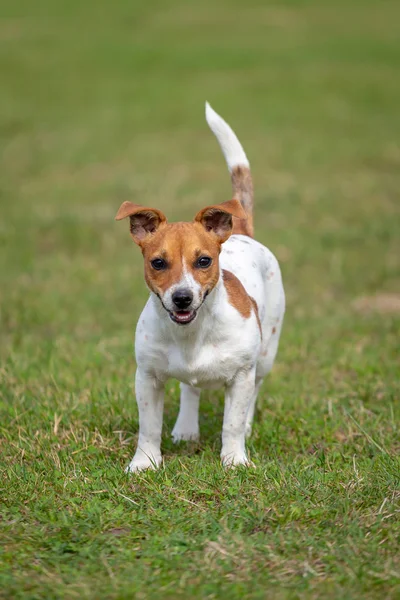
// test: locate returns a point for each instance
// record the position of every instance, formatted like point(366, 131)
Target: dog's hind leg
point(187, 424)
point(251, 409)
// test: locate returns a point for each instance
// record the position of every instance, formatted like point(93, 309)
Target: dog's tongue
point(183, 316)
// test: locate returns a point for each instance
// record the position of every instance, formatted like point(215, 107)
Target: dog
point(214, 315)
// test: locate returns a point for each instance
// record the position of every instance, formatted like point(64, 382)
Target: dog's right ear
point(143, 221)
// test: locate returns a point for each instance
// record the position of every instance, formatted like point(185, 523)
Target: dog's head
point(181, 260)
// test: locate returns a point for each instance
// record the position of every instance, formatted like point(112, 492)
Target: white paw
point(185, 435)
point(235, 459)
point(142, 463)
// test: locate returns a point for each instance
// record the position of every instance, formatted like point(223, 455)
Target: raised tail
point(239, 168)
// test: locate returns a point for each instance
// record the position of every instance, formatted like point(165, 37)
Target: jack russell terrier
point(214, 315)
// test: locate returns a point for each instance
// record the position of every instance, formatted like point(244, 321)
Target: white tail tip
point(230, 145)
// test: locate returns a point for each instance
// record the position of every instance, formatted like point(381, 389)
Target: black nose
point(182, 298)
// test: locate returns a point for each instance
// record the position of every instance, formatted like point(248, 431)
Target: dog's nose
point(182, 298)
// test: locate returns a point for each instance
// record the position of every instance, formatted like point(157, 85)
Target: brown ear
point(217, 218)
point(143, 221)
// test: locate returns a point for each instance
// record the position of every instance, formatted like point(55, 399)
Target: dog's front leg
point(237, 402)
point(150, 401)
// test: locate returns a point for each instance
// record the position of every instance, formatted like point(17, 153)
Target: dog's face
point(181, 260)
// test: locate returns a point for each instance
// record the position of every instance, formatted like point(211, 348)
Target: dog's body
point(214, 315)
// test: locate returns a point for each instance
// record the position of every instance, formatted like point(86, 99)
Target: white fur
point(220, 348)
point(230, 145)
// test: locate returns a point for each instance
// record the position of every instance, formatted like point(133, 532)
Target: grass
point(102, 102)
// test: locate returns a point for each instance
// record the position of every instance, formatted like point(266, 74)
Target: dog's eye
point(158, 264)
point(203, 262)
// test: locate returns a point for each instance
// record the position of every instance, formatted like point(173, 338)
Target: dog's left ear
point(143, 221)
point(217, 218)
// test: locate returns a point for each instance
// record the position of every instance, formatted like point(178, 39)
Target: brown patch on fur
point(273, 330)
point(242, 187)
point(255, 307)
point(242, 227)
point(238, 297)
point(180, 245)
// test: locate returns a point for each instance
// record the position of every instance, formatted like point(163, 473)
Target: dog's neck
point(205, 320)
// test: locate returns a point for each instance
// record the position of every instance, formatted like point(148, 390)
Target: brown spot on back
point(274, 330)
point(238, 297)
point(255, 307)
point(242, 227)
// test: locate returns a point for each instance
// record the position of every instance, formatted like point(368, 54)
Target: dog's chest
point(208, 365)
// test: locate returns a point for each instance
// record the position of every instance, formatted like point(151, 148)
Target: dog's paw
point(235, 460)
point(143, 463)
point(185, 435)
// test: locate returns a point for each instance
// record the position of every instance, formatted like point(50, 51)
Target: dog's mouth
point(183, 317)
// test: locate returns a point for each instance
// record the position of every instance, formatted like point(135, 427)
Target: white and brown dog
point(214, 315)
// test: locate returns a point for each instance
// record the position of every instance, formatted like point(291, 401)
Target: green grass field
point(102, 102)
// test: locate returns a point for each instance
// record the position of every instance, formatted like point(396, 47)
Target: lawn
point(102, 102)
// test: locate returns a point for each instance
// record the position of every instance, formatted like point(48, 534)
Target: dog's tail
point(238, 165)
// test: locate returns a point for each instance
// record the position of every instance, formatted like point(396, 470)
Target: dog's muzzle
point(182, 300)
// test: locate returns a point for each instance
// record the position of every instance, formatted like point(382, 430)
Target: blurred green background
point(102, 102)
